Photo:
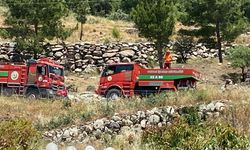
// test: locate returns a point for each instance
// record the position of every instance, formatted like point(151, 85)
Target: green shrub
point(201, 95)
point(18, 134)
point(116, 33)
point(119, 15)
point(59, 121)
point(66, 104)
point(108, 109)
point(206, 135)
point(155, 99)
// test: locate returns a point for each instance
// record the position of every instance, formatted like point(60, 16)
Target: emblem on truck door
point(14, 75)
point(109, 78)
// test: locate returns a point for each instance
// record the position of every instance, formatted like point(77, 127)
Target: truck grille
point(57, 87)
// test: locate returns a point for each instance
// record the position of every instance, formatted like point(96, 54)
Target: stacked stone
point(138, 121)
point(80, 56)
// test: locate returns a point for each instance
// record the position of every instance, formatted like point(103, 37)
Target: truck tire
point(33, 94)
point(113, 94)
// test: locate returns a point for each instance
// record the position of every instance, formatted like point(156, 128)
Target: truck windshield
point(56, 70)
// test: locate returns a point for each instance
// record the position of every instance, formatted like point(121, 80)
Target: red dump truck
point(129, 79)
point(42, 78)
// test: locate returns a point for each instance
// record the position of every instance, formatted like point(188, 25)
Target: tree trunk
point(243, 74)
point(219, 40)
point(159, 47)
point(81, 32)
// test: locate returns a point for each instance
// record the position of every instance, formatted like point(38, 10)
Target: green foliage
point(108, 109)
point(87, 116)
point(201, 95)
point(240, 58)
point(80, 8)
point(182, 135)
point(31, 22)
point(225, 17)
point(154, 99)
point(59, 121)
point(66, 104)
point(18, 134)
point(128, 5)
point(246, 9)
point(156, 21)
point(183, 46)
point(100, 7)
point(119, 15)
point(116, 33)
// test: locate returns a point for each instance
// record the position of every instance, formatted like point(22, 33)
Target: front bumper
point(50, 93)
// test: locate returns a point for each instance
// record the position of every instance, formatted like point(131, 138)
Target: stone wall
point(78, 57)
point(139, 121)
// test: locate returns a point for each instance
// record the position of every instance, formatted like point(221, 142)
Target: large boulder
point(127, 53)
point(109, 55)
point(58, 54)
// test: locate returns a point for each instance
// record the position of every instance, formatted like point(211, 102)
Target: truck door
point(118, 73)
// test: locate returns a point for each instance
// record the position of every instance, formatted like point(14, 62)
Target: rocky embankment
point(80, 56)
point(138, 121)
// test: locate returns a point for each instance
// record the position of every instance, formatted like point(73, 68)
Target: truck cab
point(45, 79)
point(42, 78)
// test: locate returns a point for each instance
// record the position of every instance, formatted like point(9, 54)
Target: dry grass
point(99, 30)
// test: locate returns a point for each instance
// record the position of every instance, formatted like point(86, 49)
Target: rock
point(126, 60)
point(58, 48)
point(97, 134)
point(211, 107)
point(4, 57)
point(66, 133)
point(78, 70)
point(170, 110)
point(154, 119)
point(99, 124)
point(108, 55)
point(116, 118)
point(219, 106)
point(51, 146)
point(77, 56)
point(114, 125)
point(58, 54)
point(127, 53)
point(73, 131)
point(143, 123)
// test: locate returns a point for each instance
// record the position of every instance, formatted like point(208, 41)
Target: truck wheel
point(33, 94)
point(113, 94)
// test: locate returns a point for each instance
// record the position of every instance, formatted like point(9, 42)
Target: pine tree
point(223, 18)
point(30, 22)
point(155, 20)
point(80, 8)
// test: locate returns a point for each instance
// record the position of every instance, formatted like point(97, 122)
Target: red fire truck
point(42, 78)
point(132, 79)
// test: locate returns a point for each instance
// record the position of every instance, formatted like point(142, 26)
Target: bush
point(183, 135)
point(183, 46)
point(240, 58)
point(18, 134)
point(116, 33)
point(59, 121)
point(155, 99)
point(201, 95)
point(119, 15)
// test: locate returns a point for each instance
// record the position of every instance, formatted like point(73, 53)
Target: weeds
point(18, 134)
point(183, 135)
point(116, 33)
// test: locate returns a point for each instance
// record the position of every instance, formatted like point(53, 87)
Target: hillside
point(99, 30)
